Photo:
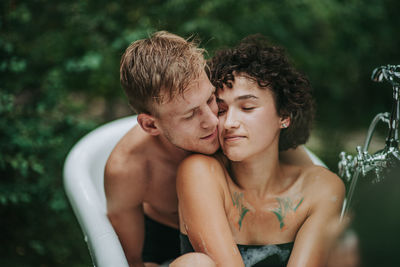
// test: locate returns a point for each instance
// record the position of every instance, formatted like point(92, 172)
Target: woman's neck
point(258, 173)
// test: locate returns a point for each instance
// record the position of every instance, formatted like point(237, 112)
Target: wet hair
point(255, 58)
point(155, 69)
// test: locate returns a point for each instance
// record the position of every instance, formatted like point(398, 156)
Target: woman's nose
point(231, 120)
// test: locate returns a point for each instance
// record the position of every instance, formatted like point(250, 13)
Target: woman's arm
point(322, 226)
point(200, 183)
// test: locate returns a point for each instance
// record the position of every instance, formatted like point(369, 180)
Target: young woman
point(246, 207)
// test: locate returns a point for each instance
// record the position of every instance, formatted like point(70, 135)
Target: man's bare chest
point(161, 190)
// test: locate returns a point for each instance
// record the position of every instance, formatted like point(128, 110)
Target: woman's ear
point(285, 122)
point(147, 122)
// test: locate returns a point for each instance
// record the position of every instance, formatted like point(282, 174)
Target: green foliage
point(34, 140)
point(60, 59)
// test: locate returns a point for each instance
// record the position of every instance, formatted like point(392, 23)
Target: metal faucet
point(350, 167)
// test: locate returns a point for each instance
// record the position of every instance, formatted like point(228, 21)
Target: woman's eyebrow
point(244, 97)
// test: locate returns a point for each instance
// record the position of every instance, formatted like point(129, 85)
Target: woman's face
point(248, 121)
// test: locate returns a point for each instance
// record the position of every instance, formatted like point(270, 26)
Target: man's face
point(189, 121)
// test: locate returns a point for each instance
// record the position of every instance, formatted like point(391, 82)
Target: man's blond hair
point(156, 69)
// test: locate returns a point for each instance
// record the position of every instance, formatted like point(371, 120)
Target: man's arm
point(297, 156)
point(125, 187)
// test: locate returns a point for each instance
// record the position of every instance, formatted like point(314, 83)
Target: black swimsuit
point(254, 255)
point(161, 242)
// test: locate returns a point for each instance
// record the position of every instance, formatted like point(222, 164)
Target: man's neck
point(174, 154)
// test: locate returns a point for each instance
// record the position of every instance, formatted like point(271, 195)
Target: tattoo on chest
point(237, 200)
point(285, 206)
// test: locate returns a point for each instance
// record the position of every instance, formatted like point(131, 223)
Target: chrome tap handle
point(361, 160)
point(360, 154)
point(388, 73)
point(378, 74)
point(344, 166)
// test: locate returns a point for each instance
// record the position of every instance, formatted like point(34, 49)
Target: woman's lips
point(233, 138)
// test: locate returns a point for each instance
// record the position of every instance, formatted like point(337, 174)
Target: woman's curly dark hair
point(255, 58)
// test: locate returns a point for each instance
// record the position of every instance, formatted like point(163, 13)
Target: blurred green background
point(59, 79)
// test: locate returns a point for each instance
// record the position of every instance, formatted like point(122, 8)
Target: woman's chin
point(234, 156)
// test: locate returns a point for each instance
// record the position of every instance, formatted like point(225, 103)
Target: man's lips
point(210, 136)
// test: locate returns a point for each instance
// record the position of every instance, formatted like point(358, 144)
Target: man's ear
point(147, 122)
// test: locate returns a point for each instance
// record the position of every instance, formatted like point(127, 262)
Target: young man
point(164, 79)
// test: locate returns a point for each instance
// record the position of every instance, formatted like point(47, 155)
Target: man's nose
point(210, 119)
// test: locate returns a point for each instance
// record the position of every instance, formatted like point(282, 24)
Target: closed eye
point(189, 117)
point(221, 111)
point(211, 99)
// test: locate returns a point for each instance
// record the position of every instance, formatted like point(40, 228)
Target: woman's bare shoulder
point(200, 167)
point(322, 182)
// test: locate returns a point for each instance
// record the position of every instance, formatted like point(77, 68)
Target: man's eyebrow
point(197, 107)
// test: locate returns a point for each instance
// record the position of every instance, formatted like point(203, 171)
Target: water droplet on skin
point(235, 250)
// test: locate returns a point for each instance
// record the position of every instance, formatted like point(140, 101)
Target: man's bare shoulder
point(129, 155)
point(128, 167)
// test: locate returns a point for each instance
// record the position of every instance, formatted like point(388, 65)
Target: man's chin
point(208, 150)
